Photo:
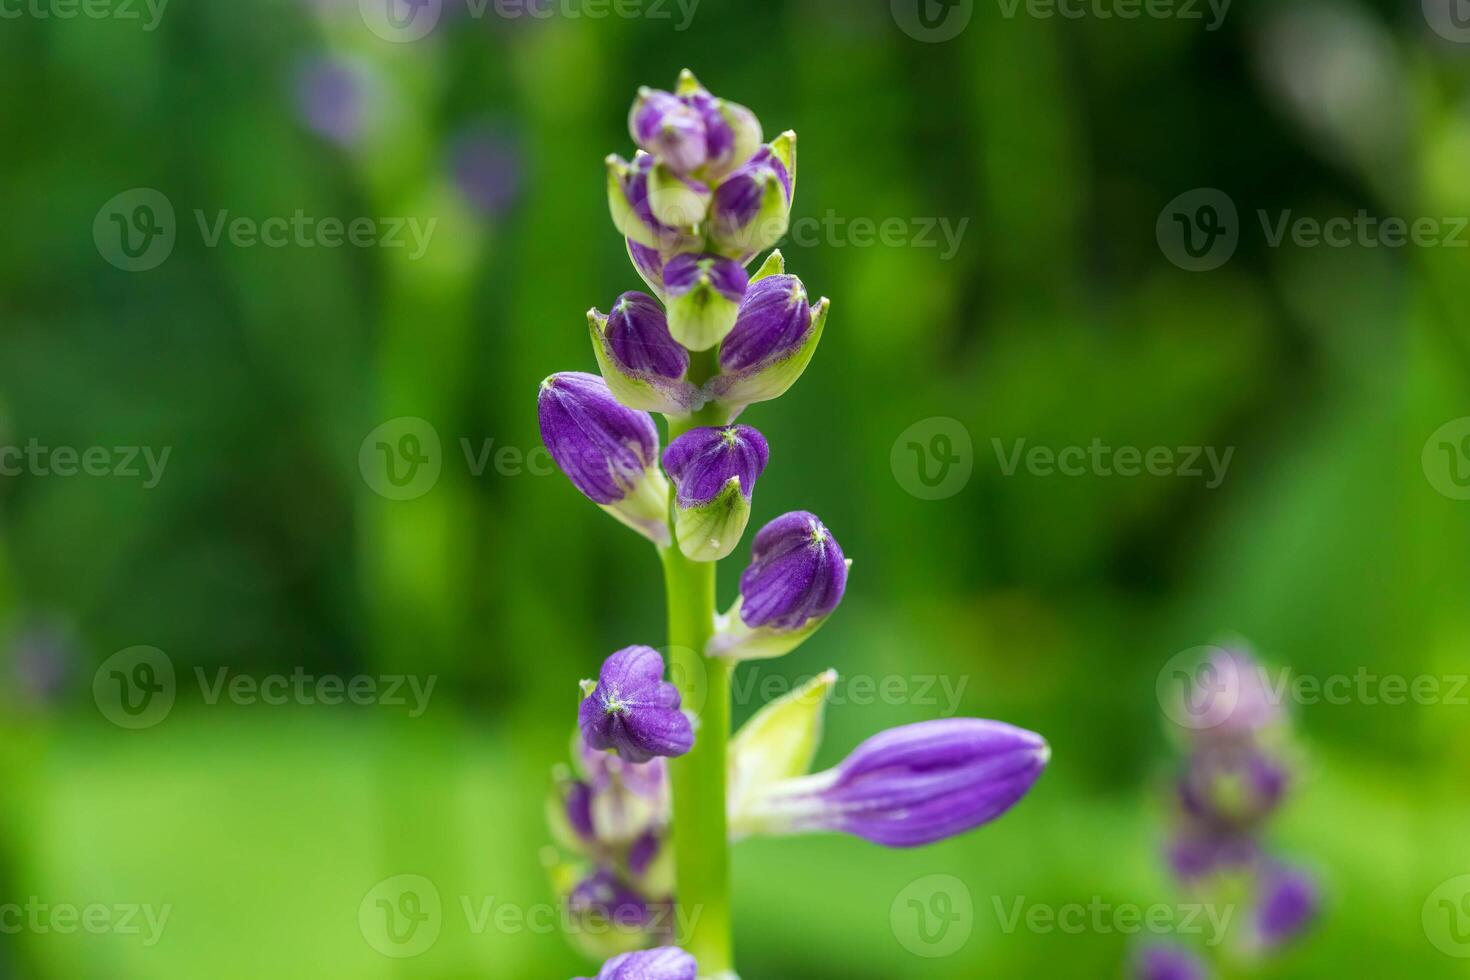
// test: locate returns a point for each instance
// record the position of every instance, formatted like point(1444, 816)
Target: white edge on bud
point(623, 217)
point(784, 147)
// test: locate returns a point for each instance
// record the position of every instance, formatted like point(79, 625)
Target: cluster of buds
point(698, 204)
point(1236, 773)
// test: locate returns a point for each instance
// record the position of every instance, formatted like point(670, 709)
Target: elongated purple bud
point(714, 472)
point(704, 294)
point(633, 710)
point(607, 450)
point(912, 785)
point(797, 573)
point(1168, 963)
point(1288, 903)
point(642, 364)
point(776, 332)
point(665, 963)
point(751, 210)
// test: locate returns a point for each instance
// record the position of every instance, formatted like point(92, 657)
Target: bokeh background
point(1333, 544)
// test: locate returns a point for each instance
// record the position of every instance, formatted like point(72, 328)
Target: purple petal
point(638, 334)
point(738, 198)
point(633, 710)
point(684, 272)
point(702, 461)
point(648, 263)
point(1231, 785)
point(922, 783)
point(1289, 902)
point(602, 446)
point(1168, 963)
point(664, 963)
point(670, 129)
point(643, 851)
point(605, 896)
point(775, 317)
point(579, 810)
point(797, 573)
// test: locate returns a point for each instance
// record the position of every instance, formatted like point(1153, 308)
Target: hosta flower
point(1168, 963)
point(704, 294)
point(692, 132)
point(751, 210)
point(909, 786)
point(776, 332)
point(1288, 902)
point(642, 365)
point(665, 963)
point(1229, 698)
point(633, 710)
point(714, 472)
point(607, 450)
point(628, 190)
point(796, 577)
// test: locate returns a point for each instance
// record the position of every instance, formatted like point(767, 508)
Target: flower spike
point(714, 472)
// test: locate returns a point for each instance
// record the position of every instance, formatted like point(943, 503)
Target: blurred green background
point(265, 547)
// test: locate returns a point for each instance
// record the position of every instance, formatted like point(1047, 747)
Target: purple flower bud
point(797, 573)
point(603, 896)
point(642, 365)
point(608, 451)
point(704, 293)
point(670, 129)
point(1230, 698)
point(692, 132)
point(751, 210)
point(1232, 786)
point(776, 332)
point(1168, 963)
point(578, 802)
point(633, 212)
point(1288, 904)
point(714, 472)
point(643, 851)
point(633, 710)
point(665, 963)
point(1199, 852)
point(912, 785)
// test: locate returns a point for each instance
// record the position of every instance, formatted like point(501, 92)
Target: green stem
point(701, 839)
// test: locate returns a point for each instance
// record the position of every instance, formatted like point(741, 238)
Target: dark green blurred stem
point(701, 838)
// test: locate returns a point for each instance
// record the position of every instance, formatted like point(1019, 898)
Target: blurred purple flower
point(1168, 963)
point(665, 963)
point(334, 96)
point(486, 165)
